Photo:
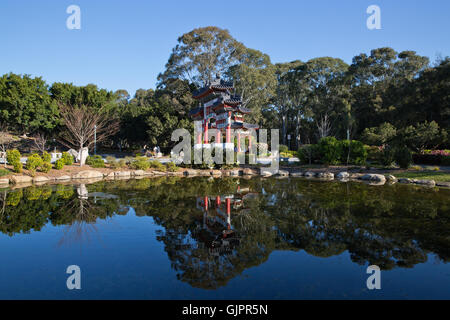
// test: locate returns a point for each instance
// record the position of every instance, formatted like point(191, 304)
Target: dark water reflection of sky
point(284, 239)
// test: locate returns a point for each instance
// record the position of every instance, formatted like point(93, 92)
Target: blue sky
point(125, 44)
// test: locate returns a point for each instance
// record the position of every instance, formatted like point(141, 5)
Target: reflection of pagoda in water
point(217, 233)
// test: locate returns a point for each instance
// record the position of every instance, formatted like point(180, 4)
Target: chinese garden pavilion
point(220, 109)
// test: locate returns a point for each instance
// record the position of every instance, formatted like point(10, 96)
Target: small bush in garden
point(140, 163)
point(95, 161)
point(417, 168)
point(358, 153)
point(308, 154)
point(18, 167)
point(330, 150)
point(171, 167)
point(46, 157)
point(283, 149)
point(112, 162)
point(155, 164)
point(59, 164)
point(34, 161)
point(46, 167)
point(12, 156)
point(67, 158)
point(403, 157)
point(122, 163)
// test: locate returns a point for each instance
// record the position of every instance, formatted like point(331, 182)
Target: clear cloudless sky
point(125, 44)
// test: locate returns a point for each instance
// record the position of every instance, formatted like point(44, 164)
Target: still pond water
point(200, 238)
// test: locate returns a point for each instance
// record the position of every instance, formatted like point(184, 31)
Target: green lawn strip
point(4, 172)
point(424, 175)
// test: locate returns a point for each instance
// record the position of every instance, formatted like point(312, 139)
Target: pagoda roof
point(197, 113)
point(216, 85)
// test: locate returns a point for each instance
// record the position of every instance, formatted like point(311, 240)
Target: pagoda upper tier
point(214, 89)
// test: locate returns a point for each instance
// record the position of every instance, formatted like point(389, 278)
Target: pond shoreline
point(88, 175)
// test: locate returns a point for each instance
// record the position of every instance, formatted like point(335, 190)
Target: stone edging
point(373, 179)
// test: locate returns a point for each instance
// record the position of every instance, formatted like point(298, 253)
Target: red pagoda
point(220, 109)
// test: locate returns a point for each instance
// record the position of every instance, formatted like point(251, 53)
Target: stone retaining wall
point(82, 176)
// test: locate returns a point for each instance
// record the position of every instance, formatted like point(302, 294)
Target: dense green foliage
point(59, 164)
point(382, 98)
point(67, 158)
point(140, 163)
point(331, 151)
point(46, 157)
point(95, 161)
point(33, 162)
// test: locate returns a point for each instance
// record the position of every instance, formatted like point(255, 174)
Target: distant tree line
point(380, 97)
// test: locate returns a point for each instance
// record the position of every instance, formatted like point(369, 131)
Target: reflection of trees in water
point(390, 226)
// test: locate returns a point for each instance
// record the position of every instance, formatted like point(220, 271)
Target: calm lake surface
point(200, 238)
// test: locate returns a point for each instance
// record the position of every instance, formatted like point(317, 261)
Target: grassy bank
point(424, 175)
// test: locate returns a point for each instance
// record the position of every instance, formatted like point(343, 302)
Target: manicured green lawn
point(424, 175)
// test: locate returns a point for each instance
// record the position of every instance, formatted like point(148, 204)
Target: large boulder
point(216, 173)
point(249, 172)
point(443, 184)
point(309, 174)
point(342, 175)
point(296, 174)
point(405, 180)
point(40, 179)
point(428, 183)
point(121, 174)
point(21, 179)
point(138, 172)
point(62, 178)
point(190, 172)
point(325, 175)
point(87, 174)
point(4, 182)
point(266, 172)
point(373, 177)
point(283, 173)
point(390, 178)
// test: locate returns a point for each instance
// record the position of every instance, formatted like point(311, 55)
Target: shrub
point(171, 167)
point(46, 157)
point(95, 161)
point(403, 157)
point(357, 154)
point(3, 172)
point(155, 164)
point(140, 163)
point(34, 161)
point(59, 164)
point(330, 150)
point(46, 167)
point(67, 158)
point(308, 154)
point(18, 167)
point(12, 156)
point(283, 148)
